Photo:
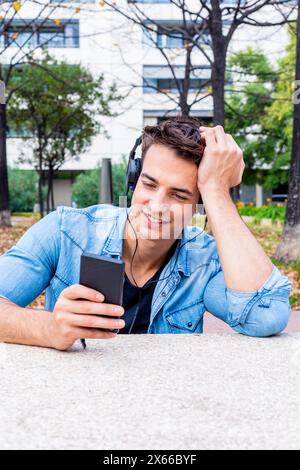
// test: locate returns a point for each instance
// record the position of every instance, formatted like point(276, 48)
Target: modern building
point(92, 34)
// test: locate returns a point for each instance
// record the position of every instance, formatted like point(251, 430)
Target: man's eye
point(180, 197)
point(148, 185)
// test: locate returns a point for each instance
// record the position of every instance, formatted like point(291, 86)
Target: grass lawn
point(268, 237)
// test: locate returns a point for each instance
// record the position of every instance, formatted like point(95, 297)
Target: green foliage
point(55, 107)
point(22, 190)
point(267, 212)
point(86, 189)
point(278, 121)
point(248, 104)
point(119, 176)
point(259, 112)
point(294, 265)
point(56, 104)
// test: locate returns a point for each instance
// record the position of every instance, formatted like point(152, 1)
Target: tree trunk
point(289, 248)
point(48, 197)
point(184, 92)
point(5, 216)
point(218, 71)
point(219, 63)
point(41, 201)
point(218, 85)
point(41, 184)
point(51, 174)
point(184, 107)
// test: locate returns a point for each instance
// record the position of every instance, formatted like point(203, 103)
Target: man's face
point(166, 190)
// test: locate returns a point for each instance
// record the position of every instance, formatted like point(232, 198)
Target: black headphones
point(135, 167)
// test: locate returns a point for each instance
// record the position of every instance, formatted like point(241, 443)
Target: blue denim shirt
point(48, 257)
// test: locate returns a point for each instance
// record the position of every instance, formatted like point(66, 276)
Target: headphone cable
point(158, 280)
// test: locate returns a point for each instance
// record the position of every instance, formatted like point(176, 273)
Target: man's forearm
point(24, 325)
point(244, 263)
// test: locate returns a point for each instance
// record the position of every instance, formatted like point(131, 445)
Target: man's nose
point(159, 199)
point(159, 210)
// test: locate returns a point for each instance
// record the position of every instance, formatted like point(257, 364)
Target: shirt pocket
point(187, 319)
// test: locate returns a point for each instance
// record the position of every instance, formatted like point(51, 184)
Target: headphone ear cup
point(133, 173)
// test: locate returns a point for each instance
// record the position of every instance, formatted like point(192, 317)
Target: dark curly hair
point(180, 134)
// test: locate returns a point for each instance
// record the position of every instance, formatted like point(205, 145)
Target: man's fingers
point(209, 137)
point(92, 308)
point(220, 136)
point(91, 333)
point(242, 170)
point(232, 143)
point(77, 291)
point(73, 320)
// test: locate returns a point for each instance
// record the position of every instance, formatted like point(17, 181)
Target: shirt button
point(190, 324)
point(163, 294)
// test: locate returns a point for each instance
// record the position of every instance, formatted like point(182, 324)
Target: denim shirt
point(48, 257)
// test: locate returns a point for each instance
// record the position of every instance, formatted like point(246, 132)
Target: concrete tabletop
point(210, 391)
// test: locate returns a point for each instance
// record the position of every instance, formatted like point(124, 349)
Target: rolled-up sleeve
point(27, 268)
point(264, 312)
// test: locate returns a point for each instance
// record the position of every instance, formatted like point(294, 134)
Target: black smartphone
point(106, 275)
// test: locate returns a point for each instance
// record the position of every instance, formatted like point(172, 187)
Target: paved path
point(210, 391)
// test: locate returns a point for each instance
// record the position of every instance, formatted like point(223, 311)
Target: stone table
point(210, 391)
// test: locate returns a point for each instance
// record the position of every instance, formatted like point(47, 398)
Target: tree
point(247, 111)
point(20, 33)
point(56, 106)
point(260, 112)
point(289, 248)
point(278, 122)
point(269, 128)
point(208, 26)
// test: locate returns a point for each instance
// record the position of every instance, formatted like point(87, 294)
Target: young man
point(228, 274)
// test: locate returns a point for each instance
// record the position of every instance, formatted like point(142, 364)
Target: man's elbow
point(263, 322)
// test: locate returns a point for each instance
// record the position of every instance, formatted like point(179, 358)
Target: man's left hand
point(222, 164)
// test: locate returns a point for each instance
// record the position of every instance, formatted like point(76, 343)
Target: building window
point(160, 78)
point(72, 1)
point(172, 34)
point(150, 85)
point(172, 39)
point(149, 1)
point(157, 85)
point(46, 33)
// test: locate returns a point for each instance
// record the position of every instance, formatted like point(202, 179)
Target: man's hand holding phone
point(79, 313)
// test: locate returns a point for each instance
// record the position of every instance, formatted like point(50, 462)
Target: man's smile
point(154, 221)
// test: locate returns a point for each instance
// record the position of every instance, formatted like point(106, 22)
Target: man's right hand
point(77, 314)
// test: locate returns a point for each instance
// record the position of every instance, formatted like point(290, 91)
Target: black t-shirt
point(131, 295)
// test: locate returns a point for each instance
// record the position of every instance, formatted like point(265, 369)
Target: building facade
point(97, 37)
